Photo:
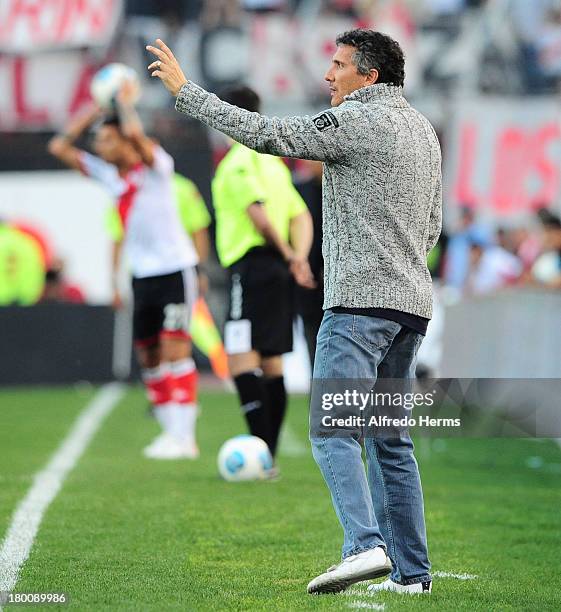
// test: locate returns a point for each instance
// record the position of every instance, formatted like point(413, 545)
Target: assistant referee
point(263, 236)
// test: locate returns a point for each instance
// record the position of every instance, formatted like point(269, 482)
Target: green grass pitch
point(126, 533)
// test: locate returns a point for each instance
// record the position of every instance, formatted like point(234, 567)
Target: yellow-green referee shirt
point(242, 178)
point(22, 270)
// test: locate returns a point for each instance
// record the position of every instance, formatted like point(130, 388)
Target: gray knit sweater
point(382, 188)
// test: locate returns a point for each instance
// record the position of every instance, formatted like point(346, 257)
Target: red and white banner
point(29, 26)
point(35, 97)
point(503, 155)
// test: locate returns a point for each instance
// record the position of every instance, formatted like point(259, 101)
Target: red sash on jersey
point(124, 205)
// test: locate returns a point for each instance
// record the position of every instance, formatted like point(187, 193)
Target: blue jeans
point(383, 507)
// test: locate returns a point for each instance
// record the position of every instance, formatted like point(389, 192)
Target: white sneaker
point(366, 565)
point(156, 443)
point(410, 589)
point(166, 446)
point(190, 450)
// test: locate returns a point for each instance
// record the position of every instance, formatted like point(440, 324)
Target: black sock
point(277, 407)
point(254, 400)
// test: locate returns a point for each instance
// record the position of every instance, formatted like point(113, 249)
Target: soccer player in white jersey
point(138, 173)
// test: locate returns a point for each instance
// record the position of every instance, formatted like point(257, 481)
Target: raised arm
point(331, 135)
point(132, 126)
point(62, 145)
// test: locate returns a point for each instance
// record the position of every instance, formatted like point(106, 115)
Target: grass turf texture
point(127, 533)
point(32, 425)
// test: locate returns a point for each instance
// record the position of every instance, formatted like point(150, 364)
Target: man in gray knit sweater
point(382, 209)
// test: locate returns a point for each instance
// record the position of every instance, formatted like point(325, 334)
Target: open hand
point(166, 67)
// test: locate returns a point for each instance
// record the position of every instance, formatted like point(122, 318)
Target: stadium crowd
point(517, 35)
point(479, 258)
point(189, 10)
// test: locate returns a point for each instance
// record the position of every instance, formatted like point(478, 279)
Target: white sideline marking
point(290, 444)
point(456, 576)
point(358, 592)
point(27, 518)
point(366, 605)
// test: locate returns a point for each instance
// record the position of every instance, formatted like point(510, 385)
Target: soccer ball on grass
point(244, 458)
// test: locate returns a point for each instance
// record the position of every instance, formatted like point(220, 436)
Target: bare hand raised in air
point(166, 67)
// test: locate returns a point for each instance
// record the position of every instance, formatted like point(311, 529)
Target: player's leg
point(274, 384)
point(245, 369)
point(155, 375)
point(273, 306)
point(176, 353)
point(394, 479)
point(244, 359)
point(156, 381)
point(178, 298)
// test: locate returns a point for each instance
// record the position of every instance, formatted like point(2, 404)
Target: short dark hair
point(376, 50)
point(241, 96)
point(112, 120)
point(548, 219)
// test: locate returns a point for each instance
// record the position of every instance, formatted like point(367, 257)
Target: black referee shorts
point(163, 306)
point(261, 292)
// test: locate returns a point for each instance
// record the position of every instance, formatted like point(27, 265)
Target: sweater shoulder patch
point(325, 121)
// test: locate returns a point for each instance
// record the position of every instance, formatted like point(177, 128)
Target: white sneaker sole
point(163, 456)
point(378, 588)
point(174, 458)
point(337, 585)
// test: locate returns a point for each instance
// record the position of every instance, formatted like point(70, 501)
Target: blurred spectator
point(170, 10)
point(437, 256)
point(445, 7)
point(458, 253)
point(57, 288)
point(42, 242)
point(529, 22)
point(549, 47)
point(491, 267)
point(546, 271)
point(517, 241)
point(504, 239)
point(263, 6)
point(525, 245)
point(347, 8)
point(217, 13)
point(22, 273)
